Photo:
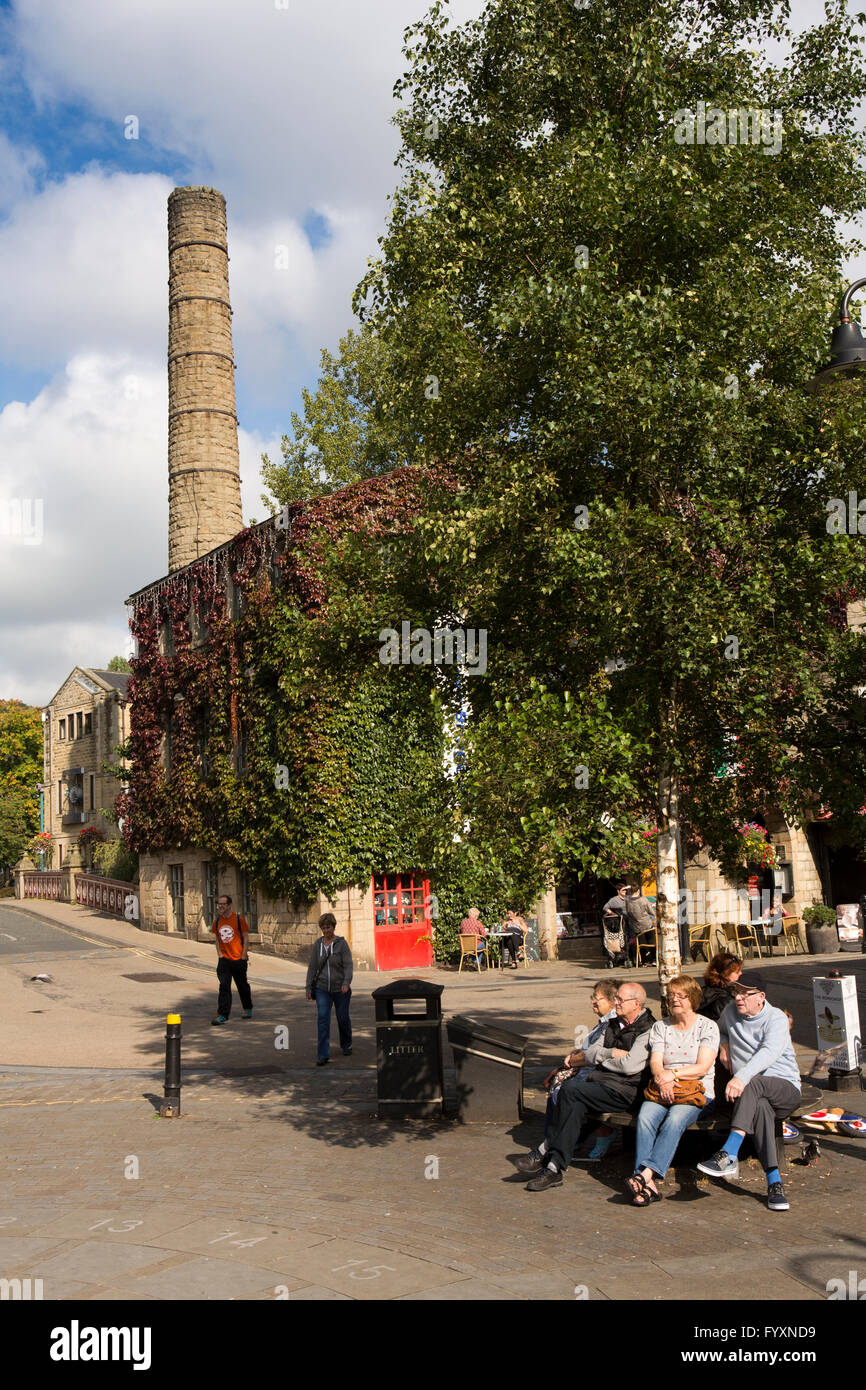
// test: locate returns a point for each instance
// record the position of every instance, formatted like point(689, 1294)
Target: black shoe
point(530, 1163)
point(776, 1199)
point(721, 1165)
point(347, 1051)
point(323, 1061)
point(546, 1178)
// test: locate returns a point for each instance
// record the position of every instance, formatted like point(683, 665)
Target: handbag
point(686, 1092)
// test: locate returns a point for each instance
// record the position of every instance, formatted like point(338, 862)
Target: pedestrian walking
point(230, 931)
point(329, 979)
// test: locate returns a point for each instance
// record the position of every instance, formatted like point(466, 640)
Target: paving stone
point(312, 1293)
point(268, 1244)
point(468, 1290)
point(97, 1262)
point(117, 1226)
point(29, 1250)
point(769, 1285)
point(26, 1217)
point(207, 1279)
point(368, 1271)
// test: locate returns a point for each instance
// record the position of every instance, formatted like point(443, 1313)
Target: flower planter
point(822, 941)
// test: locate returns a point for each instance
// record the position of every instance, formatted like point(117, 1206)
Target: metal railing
point(104, 894)
point(44, 884)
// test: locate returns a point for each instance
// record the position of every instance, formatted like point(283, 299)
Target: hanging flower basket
point(42, 843)
point(755, 849)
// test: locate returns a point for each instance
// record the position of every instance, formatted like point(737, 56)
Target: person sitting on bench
point(765, 1083)
point(619, 1063)
point(683, 1052)
point(603, 994)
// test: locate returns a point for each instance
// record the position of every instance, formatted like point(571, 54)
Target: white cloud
point(18, 167)
point(88, 457)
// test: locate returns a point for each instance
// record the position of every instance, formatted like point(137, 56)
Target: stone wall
point(713, 897)
point(284, 929)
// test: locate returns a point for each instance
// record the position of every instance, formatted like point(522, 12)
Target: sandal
point(642, 1194)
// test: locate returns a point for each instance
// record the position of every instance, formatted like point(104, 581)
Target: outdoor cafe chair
point(474, 946)
point(736, 936)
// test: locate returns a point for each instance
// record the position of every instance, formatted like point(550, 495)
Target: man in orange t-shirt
point(230, 934)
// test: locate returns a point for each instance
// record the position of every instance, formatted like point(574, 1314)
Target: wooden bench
point(721, 1123)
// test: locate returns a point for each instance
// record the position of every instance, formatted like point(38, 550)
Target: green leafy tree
point(118, 663)
point(346, 432)
point(605, 320)
point(19, 820)
point(21, 767)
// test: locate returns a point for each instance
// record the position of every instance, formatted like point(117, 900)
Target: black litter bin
point(489, 1066)
point(409, 1049)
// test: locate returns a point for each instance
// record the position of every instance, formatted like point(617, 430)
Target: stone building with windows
point(83, 724)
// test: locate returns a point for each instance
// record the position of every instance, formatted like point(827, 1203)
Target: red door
point(401, 914)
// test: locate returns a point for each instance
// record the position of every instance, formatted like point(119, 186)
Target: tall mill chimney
point(204, 487)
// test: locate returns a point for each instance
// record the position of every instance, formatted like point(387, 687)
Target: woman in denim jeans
point(682, 1047)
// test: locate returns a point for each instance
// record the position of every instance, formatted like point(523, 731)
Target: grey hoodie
point(336, 968)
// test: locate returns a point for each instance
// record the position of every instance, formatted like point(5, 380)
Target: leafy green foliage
point(622, 329)
point(346, 433)
point(19, 819)
point(21, 767)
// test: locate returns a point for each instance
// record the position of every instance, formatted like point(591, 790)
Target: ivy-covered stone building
point(266, 763)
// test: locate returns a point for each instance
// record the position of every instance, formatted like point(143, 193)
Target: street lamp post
point(847, 345)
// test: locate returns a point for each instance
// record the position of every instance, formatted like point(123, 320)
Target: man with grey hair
point(619, 1061)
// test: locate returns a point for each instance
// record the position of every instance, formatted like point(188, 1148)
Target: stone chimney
point(204, 487)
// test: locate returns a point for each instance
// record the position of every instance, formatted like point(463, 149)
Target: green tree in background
point(21, 767)
point(118, 663)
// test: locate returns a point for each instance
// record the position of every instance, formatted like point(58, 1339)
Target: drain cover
point(151, 977)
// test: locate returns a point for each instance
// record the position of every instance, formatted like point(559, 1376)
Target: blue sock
point(773, 1175)
point(732, 1144)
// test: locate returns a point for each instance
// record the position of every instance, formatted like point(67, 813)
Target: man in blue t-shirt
point(756, 1048)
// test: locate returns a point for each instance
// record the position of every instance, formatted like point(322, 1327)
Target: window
point(176, 891)
point(241, 752)
point(204, 735)
point(398, 899)
point(92, 789)
point(88, 723)
point(235, 601)
point(60, 795)
point(61, 729)
point(211, 890)
point(197, 627)
point(79, 724)
point(166, 638)
point(249, 900)
point(167, 748)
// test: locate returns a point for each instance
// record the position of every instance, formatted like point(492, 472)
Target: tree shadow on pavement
point(269, 1060)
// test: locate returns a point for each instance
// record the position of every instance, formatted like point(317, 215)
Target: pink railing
point(44, 885)
point(105, 894)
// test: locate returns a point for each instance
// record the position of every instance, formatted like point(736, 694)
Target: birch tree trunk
point(667, 883)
